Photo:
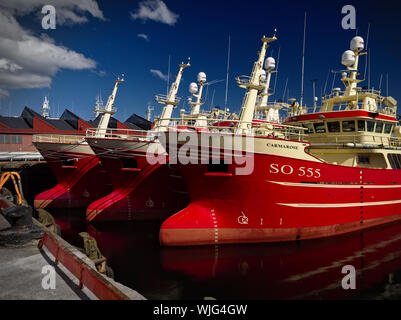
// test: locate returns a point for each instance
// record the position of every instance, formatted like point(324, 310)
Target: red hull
point(140, 193)
point(282, 201)
point(78, 185)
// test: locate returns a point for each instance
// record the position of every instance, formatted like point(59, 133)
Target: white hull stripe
point(339, 205)
point(341, 186)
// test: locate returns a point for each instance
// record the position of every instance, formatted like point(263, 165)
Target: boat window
point(333, 126)
point(395, 160)
point(319, 127)
point(218, 167)
point(308, 126)
point(379, 127)
point(363, 160)
point(129, 163)
point(361, 125)
point(69, 163)
point(387, 128)
point(370, 125)
point(348, 126)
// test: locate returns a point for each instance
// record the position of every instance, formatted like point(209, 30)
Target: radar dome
point(348, 58)
point(201, 77)
point(357, 44)
point(193, 87)
point(263, 75)
point(270, 63)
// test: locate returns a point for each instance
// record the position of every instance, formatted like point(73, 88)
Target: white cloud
point(67, 11)
point(30, 61)
point(8, 65)
point(159, 74)
point(143, 36)
point(155, 10)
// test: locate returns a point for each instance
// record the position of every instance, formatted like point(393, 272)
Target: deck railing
point(376, 141)
point(204, 125)
point(55, 138)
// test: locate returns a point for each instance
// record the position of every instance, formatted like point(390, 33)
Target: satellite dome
point(201, 77)
point(357, 44)
point(193, 87)
point(263, 75)
point(348, 58)
point(270, 63)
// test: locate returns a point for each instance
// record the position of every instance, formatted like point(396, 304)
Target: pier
point(48, 268)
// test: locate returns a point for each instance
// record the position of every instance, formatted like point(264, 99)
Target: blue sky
point(96, 41)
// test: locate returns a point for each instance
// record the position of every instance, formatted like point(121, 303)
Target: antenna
point(285, 89)
point(303, 64)
point(367, 58)
point(380, 82)
point(276, 75)
point(327, 79)
point(228, 68)
point(168, 73)
point(211, 103)
point(387, 84)
point(334, 79)
point(314, 95)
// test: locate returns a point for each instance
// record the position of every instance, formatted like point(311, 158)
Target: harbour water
point(310, 269)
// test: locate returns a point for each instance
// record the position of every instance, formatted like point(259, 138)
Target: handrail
point(165, 99)
point(357, 138)
point(260, 127)
point(55, 138)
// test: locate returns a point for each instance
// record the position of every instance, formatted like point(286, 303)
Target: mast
point(303, 66)
point(253, 86)
point(170, 100)
point(228, 68)
point(269, 66)
point(108, 110)
point(46, 108)
point(193, 88)
point(350, 59)
point(148, 115)
point(98, 106)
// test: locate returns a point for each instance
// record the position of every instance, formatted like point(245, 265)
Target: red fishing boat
point(80, 175)
point(318, 174)
point(140, 190)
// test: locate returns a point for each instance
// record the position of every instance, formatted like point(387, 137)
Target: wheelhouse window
point(319, 127)
point(379, 127)
point(388, 127)
point(395, 160)
point(363, 159)
point(361, 125)
point(349, 126)
point(370, 125)
point(308, 126)
point(129, 163)
point(333, 126)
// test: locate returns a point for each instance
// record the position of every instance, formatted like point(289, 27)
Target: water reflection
point(304, 270)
